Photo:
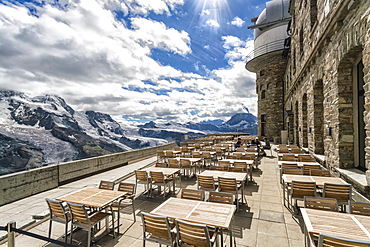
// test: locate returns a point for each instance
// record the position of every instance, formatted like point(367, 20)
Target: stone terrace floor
point(264, 221)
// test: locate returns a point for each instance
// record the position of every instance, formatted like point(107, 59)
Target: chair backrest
point(308, 167)
point(141, 176)
point(106, 185)
point(293, 171)
point(227, 185)
point(240, 150)
point(224, 163)
point(293, 146)
point(157, 177)
point(161, 164)
point(289, 165)
point(192, 234)
point(161, 154)
point(306, 159)
point(326, 240)
point(185, 163)
point(321, 173)
point(246, 157)
point(192, 194)
point(79, 214)
point(156, 227)
point(172, 161)
point(221, 197)
point(253, 149)
point(362, 208)
point(169, 154)
point(341, 192)
point(237, 169)
point(196, 154)
point(288, 155)
point(238, 154)
point(285, 158)
point(127, 187)
point(206, 182)
point(242, 164)
point(327, 204)
point(300, 189)
point(57, 210)
point(218, 168)
point(283, 150)
point(296, 151)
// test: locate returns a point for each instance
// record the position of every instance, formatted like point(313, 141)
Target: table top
point(92, 197)
point(300, 164)
point(239, 176)
point(288, 178)
point(248, 162)
point(166, 171)
point(337, 224)
point(190, 159)
point(208, 213)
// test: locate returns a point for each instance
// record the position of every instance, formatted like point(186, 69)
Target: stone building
point(325, 90)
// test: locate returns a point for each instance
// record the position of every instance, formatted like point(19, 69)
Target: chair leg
point(50, 228)
point(133, 210)
point(66, 232)
point(89, 237)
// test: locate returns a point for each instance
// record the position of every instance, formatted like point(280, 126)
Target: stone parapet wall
point(19, 185)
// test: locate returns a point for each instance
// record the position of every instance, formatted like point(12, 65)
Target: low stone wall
point(27, 183)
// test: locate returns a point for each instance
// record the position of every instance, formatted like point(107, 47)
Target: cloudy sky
point(180, 60)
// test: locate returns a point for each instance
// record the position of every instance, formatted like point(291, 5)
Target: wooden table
point(92, 197)
point(320, 181)
point(248, 162)
point(207, 213)
point(240, 177)
point(334, 223)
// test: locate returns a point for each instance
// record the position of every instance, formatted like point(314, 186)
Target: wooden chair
point(185, 165)
point(240, 149)
point(293, 146)
point(326, 240)
point(160, 164)
point(218, 168)
point(173, 162)
point(161, 156)
point(286, 166)
point(206, 183)
point(362, 208)
point(191, 234)
point(308, 167)
point(237, 169)
point(224, 163)
point(106, 185)
point(321, 173)
point(341, 192)
point(192, 194)
point(158, 229)
point(238, 154)
point(283, 150)
point(127, 201)
point(196, 154)
point(158, 179)
point(231, 186)
point(287, 158)
point(82, 219)
point(208, 158)
point(169, 154)
point(296, 151)
point(141, 177)
point(221, 197)
point(293, 171)
point(300, 189)
point(58, 213)
point(306, 159)
point(327, 204)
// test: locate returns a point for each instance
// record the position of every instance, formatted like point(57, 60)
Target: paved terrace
point(264, 221)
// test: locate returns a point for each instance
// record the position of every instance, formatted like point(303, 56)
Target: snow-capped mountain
point(43, 130)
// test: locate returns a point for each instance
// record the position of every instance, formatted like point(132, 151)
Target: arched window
point(263, 94)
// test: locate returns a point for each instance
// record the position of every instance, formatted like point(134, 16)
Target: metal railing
point(11, 229)
point(266, 48)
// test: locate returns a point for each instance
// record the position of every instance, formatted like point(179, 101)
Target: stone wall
point(26, 183)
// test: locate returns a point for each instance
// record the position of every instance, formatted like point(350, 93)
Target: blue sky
point(172, 60)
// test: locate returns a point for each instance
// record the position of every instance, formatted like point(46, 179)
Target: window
point(263, 125)
point(263, 94)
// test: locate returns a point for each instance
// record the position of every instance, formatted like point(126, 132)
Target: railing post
point(11, 234)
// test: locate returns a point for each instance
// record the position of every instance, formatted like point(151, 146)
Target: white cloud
point(237, 22)
point(213, 23)
point(205, 12)
point(82, 53)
